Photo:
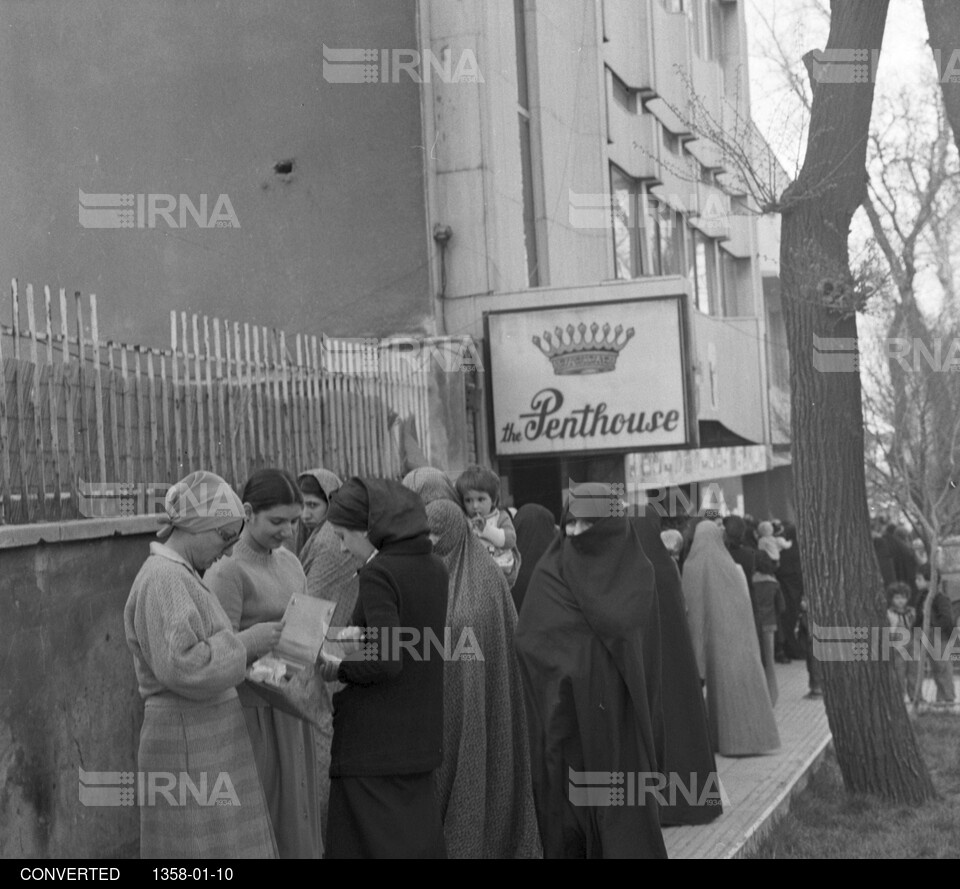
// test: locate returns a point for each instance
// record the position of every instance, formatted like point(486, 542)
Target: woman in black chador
point(588, 641)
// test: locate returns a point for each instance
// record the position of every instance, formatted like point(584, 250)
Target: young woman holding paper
point(254, 585)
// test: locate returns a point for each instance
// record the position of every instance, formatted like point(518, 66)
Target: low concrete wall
point(68, 694)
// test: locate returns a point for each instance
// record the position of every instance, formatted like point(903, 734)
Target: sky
point(904, 58)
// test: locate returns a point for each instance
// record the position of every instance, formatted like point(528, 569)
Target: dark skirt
point(384, 816)
point(214, 807)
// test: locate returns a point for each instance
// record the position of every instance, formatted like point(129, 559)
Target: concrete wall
point(68, 694)
point(204, 98)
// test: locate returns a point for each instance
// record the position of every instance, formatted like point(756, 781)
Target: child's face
point(899, 602)
point(477, 503)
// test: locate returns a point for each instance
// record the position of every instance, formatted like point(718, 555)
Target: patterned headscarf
point(200, 502)
point(483, 785)
point(327, 480)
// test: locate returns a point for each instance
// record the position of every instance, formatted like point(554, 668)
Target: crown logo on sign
point(583, 353)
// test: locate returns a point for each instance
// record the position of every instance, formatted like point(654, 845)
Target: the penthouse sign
point(588, 377)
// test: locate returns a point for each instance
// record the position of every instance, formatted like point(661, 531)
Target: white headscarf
point(200, 502)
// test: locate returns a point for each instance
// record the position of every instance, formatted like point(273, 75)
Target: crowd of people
point(905, 568)
point(604, 645)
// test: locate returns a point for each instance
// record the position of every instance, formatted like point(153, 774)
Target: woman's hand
point(328, 666)
point(261, 638)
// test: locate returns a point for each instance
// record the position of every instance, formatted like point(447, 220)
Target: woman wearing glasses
point(254, 586)
point(188, 661)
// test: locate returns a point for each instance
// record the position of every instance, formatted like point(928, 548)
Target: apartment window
point(735, 300)
point(636, 227)
point(671, 142)
point(672, 231)
point(708, 296)
point(705, 18)
point(526, 150)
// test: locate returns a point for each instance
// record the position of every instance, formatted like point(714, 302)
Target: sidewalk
point(760, 787)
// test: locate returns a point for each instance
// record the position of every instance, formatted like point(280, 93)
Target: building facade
point(501, 169)
point(606, 250)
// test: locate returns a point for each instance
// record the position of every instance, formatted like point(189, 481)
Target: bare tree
point(876, 747)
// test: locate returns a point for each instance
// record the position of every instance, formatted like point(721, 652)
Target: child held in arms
point(479, 491)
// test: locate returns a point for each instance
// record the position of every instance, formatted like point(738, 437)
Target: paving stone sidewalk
point(760, 787)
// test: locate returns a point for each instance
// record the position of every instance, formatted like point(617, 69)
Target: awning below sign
point(660, 469)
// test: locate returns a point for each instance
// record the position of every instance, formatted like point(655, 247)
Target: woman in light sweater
point(254, 585)
point(188, 661)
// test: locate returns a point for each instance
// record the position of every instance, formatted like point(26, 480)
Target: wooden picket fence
point(228, 397)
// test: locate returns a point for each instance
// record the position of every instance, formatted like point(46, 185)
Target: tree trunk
point(874, 740)
point(943, 28)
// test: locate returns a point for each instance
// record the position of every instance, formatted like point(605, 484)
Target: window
point(708, 296)
point(526, 150)
point(636, 226)
point(705, 22)
point(672, 230)
point(671, 142)
point(736, 300)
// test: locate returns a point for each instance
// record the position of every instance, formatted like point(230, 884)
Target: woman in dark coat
point(388, 720)
point(536, 529)
point(791, 582)
point(588, 643)
point(687, 752)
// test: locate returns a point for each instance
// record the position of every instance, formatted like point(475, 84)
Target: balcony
point(635, 143)
point(740, 243)
point(708, 154)
point(670, 94)
point(626, 49)
point(713, 211)
point(728, 373)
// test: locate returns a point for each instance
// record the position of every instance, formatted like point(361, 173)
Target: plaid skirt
point(200, 796)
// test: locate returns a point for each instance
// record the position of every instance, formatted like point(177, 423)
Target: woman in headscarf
point(536, 529)
point(388, 720)
point(331, 575)
point(588, 644)
point(431, 484)
point(316, 485)
point(725, 642)
point(687, 752)
point(484, 782)
point(188, 662)
point(254, 585)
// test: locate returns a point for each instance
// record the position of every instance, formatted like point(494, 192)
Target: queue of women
point(483, 755)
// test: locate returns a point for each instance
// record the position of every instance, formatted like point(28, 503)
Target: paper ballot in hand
point(287, 677)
